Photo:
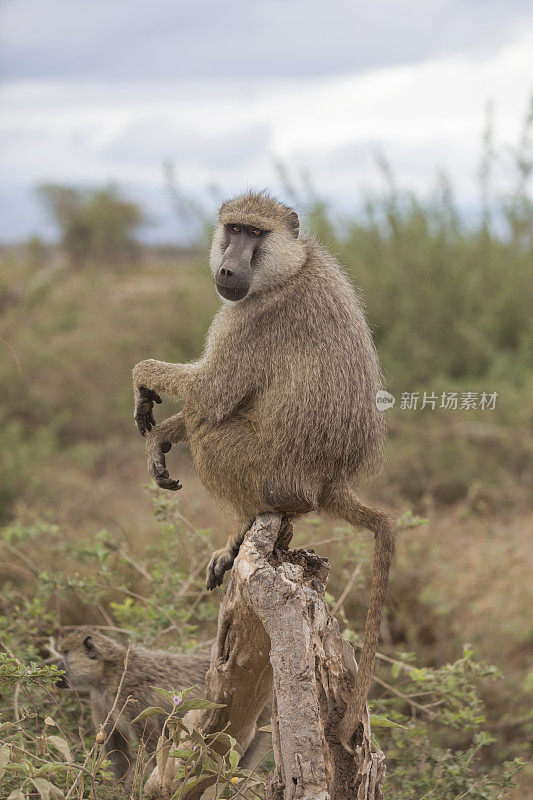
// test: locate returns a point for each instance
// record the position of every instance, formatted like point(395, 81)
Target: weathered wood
point(275, 629)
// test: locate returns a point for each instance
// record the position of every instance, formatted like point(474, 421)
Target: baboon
point(280, 411)
point(94, 663)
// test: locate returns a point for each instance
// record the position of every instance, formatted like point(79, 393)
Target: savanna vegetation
point(85, 540)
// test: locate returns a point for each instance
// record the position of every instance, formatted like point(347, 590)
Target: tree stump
point(275, 631)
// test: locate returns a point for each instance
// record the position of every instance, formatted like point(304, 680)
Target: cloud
point(423, 116)
point(166, 40)
point(153, 139)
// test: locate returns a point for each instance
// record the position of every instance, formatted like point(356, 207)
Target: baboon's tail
point(343, 503)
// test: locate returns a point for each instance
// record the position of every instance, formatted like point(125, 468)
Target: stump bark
point(276, 635)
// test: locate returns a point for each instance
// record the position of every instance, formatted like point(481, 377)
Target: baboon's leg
point(158, 442)
point(342, 502)
point(222, 560)
point(119, 752)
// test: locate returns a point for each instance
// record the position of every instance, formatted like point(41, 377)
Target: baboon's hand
point(159, 470)
point(221, 562)
point(144, 404)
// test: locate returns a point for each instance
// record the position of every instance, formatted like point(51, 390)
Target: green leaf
point(194, 703)
point(161, 756)
point(183, 753)
point(21, 767)
point(169, 694)
point(164, 693)
point(234, 759)
point(376, 721)
point(60, 744)
point(150, 712)
point(396, 669)
point(56, 792)
point(5, 725)
point(174, 724)
point(188, 785)
point(222, 736)
point(43, 787)
point(5, 753)
point(184, 692)
point(52, 766)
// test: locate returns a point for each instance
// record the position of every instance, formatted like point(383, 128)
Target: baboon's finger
point(168, 483)
point(159, 468)
point(162, 478)
point(165, 446)
point(211, 581)
point(174, 486)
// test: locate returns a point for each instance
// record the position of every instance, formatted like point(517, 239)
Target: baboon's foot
point(221, 562)
point(158, 465)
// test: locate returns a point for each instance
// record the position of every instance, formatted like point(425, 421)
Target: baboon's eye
point(235, 228)
point(256, 232)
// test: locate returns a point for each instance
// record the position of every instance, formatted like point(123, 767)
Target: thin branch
point(405, 697)
point(102, 727)
point(347, 589)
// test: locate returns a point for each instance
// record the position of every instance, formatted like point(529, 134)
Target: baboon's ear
point(90, 649)
point(294, 223)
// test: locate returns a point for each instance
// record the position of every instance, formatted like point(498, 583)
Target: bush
point(95, 224)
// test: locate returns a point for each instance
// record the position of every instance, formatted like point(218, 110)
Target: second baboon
point(94, 663)
point(280, 411)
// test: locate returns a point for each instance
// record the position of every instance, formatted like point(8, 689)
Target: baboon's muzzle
point(234, 275)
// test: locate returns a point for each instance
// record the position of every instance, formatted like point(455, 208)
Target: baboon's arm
point(217, 384)
point(171, 430)
point(150, 378)
point(162, 377)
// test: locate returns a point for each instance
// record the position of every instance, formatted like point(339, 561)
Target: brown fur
point(280, 413)
point(257, 210)
point(100, 676)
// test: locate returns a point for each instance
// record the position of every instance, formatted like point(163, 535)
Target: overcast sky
point(93, 91)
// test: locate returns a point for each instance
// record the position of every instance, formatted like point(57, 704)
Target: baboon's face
point(247, 260)
point(241, 246)
point(81, 661)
